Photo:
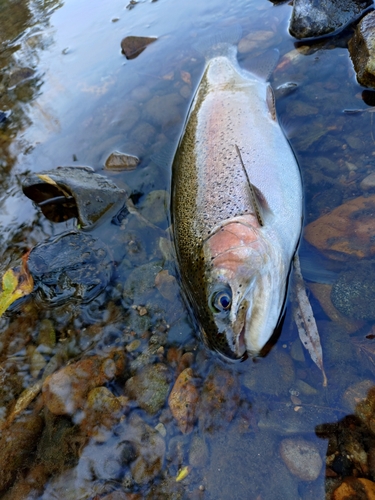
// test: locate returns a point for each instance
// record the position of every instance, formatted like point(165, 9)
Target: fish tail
point(220, 43)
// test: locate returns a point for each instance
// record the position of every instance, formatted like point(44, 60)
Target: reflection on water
point(111, 421)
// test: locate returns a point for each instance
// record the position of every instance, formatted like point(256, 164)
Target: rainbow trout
point(236, 208)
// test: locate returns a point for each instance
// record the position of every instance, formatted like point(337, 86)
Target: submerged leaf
point(16, 284)
point(182, 473)
point(305, 321)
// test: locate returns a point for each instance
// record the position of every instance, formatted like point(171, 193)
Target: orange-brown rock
point(183, 401)
point(353, 487)
point(65, 391)
point(348, 230)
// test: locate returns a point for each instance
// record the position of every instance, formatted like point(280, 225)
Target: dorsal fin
point(254, 198)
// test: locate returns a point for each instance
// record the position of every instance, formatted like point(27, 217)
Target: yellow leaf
point(182, 473)
point(16, 284)
point(48, 180)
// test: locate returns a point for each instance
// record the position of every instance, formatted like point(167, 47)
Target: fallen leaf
point(16, 284)
point(49, 180)
point(182, 473)
point(305, 321)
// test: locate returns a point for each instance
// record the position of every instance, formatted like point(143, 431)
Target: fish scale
point(213, 208)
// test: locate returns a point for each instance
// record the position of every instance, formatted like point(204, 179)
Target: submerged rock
point(354, 292)
point(149, 447)
point(347, 230)
point(66, 391)
point(183, 400)
point(73, 266)
point(362, 50)
point(132, 46)
point(302, 458)
point(121, 161)
point(315, 18)
point(150, 387)
point(220, 399)
point(67, 192)
point(354, 487)
point(16, 444)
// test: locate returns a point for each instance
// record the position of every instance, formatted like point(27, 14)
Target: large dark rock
point(67, 192)
point(315, 18)
point(362, 50)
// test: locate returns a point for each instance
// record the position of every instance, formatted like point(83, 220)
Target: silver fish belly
point(235, 242)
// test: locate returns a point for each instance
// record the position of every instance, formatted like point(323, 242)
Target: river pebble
point(149, 387)
point(121, 161)
point(356, 393)
point(353, 294)
point(65, 391)
point(302, 458)
point(183, 401)
point(150, 448)
point(356, 488)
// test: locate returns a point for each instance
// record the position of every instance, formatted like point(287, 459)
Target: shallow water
point(74, 98)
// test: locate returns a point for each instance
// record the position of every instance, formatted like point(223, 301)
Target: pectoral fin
point(253, 192)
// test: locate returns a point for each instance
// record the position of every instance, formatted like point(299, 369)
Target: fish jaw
point(248, 260)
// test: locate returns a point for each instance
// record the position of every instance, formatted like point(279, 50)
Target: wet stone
point(167, 285)
point(198, 452)
point(254, 39)
point(368, 182)
point(362, 50)
point(16, 444)
point(315, 18)
point(150, 387)
point(132, 46)
point(74, 266)
point(154, 207)
point(220, 399)
point(302, 458)
point(164, 110)
point(183, 401)
point(347, 230)
point(354, 292)
point(65, 391)
point(121, 161)
point(149, 446)
point(356, 393)
point(353, 487)
point(82, 193)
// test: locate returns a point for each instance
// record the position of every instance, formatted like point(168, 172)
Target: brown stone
point(355, 488)
point(65, 391)
point(183, 401)
point(362, 50)
point(121, 161)
point(347, 230)
point(132, 46)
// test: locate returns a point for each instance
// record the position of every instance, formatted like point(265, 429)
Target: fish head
point(246, 286)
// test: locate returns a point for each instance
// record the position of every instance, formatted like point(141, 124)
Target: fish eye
point(222, 300)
